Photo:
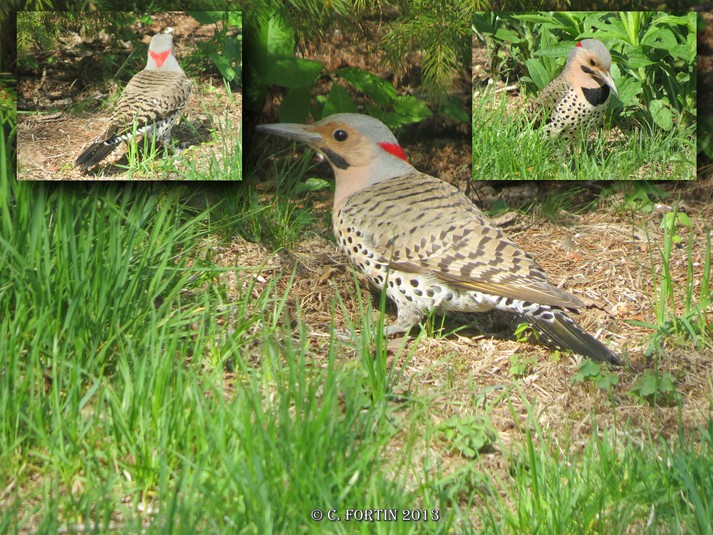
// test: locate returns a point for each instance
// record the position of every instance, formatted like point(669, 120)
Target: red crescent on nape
point(159, 57)
point(395, 149)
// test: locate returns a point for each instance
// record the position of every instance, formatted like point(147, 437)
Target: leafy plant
point(523, 332)
point(225, 47)
point(272, 62)
point(681, 311)
point(8, 100)
point(637, 196)
point(393, 109)
point(590, 371)
point(40, 30)
point(468, 435)
point(655, 388)
point(520, 365)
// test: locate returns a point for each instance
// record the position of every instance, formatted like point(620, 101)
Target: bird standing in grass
point(424, 242)
point(580, 95)
point(150, 104)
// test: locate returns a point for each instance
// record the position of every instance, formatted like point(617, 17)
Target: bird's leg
point(406, 318)
point(166, 142)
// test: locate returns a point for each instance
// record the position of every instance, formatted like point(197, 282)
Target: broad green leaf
point(534, 17)
point(381, 91)
point(411, 109)
point(277, 37)
point(312, 184)
point(272, 39)
point(207, 17)
point(338, 101)
point(684, 219)
point(683, 20)
point(683, 78)
point(454, 108)
point(510, 36)
point(560, 50)
point(661, 39)
point(685, 52)
point(661, 115)
point(612, 29)
point(629, 90)
point(292, 72)
point(295, 105)
point(636, 59)
point(538, 73)
point(224, 65)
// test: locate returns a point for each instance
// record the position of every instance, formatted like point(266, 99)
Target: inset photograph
point(124, 96)
point(584, 96)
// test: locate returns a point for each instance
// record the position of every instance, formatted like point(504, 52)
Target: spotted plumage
point(423, 241)
point(151, 104)
point(578, 98)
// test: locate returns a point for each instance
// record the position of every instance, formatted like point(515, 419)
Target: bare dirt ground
point(61, 105)
point(608, 256)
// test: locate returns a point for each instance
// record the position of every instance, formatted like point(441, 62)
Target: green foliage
point(8, 101)
point(225, 47)
point(224, 161)
point(655, 388)
point(280, 223)
point(559, 202)
point(503, 149)
point(637, 196)
point(681, 310)
point(523, 332)
point(653, 56)
point(275, 65)
point(281, 220)
point(40, 30)
point(393, 110)
point(520, 365)
point(272, 63)
point(595, 373)
point(440, 29)
point(608, 484)
point(469, 436)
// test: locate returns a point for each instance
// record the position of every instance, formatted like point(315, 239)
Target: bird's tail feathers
point(560, 330)
point(94, 154)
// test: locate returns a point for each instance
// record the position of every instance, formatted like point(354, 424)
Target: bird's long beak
point(607, 79)
point(298, 132)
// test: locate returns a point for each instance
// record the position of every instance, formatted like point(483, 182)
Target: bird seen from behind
point(150, 104)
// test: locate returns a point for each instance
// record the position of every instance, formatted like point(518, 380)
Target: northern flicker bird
point(150, 104)
point(579, 96)
point(422, 240)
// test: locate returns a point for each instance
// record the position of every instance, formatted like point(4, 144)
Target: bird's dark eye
point(340, 135)
point(592, 63)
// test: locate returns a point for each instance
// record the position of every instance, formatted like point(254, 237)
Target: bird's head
point(361, 150)
point(590, 59)
point(160, 56)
